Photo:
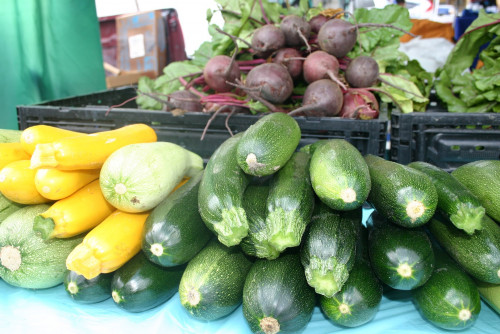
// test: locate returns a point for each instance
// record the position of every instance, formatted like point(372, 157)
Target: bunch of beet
point(291, 56)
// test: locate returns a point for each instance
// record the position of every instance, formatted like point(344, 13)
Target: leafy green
point(164, 84)
point(477, 91)
point(382, 43)
point(373, 38)
point(241, 18)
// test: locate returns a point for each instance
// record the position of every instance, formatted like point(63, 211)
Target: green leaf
point(304, 7)
point(146, 85)
point(257, 107)
point(372, 38)
point(465, 50)
point(478, 91)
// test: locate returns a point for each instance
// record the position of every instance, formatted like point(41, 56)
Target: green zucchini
point(482, 178)
point(268, 144)
point(339, 175)
point(402, 194)
point(328, 250)
point(358, 300)
point(402, 258)
point(449, 299)
point(140, 284)
point(290, 203)
point(478, 254)
point(174, 231)
point(221, 194)
point(255, 205)
point(28, 261)
point(88, 291)
point(454, 200)
point(7, 207)
point(490, 293)
point(276, 296)
point(212, 284)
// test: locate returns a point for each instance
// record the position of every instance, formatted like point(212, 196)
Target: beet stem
point(236, 50)
point(334, 78)
point(303, 109)
point(384, 25)
point(191, 89)
point(304, 39)
point(226, 123)
point(211, 119)
point(256, 97)
point(251, 62)
point(239, 14)
point(121, 104)
point(264, 15)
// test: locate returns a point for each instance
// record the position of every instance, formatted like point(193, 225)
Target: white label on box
point(136, 46)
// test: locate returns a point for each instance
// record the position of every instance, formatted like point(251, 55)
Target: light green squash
point(28, 261)
point(137, 177)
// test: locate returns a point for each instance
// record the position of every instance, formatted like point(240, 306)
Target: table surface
point(53, 311)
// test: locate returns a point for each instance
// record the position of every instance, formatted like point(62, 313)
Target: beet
point(362, 72)
point(316, 22)
point(321, 98)
point(220, 69)
point(321, 65)
point(296, 30)
point(359, 104)
point(273, 80)
point(184, 100)
point(337, 37)
point(267, 39)
point(294, 66)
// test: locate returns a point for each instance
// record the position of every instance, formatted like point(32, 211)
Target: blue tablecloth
point(53, 311)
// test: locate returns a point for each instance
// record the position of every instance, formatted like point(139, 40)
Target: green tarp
point(50, 49)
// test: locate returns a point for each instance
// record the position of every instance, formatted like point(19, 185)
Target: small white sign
point(136, 46)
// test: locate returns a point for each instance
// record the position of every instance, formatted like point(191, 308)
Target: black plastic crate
point(447, 140)
point(90, 113)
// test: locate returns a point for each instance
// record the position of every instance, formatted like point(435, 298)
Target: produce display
point(266, 229)
point(221, 238)
point(295, 59)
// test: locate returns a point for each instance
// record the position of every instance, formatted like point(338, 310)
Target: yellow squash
point(43, 134)
point(17, 183)
point(57, 184)
point(109, 245)
point(73, 215)
point(10, 152)
point(89, 151)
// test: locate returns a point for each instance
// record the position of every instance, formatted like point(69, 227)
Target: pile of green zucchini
point(279, 230)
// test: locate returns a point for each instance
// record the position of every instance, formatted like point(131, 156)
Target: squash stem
point(10, 257)
point(285, 228)
point(83, 261)
point(326, 276)
point(44, 227)
point(43, 156)
point(269, 325)
point(468, 218)
point(233, 227)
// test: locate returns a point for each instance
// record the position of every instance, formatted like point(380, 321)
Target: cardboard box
point(141, 42)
